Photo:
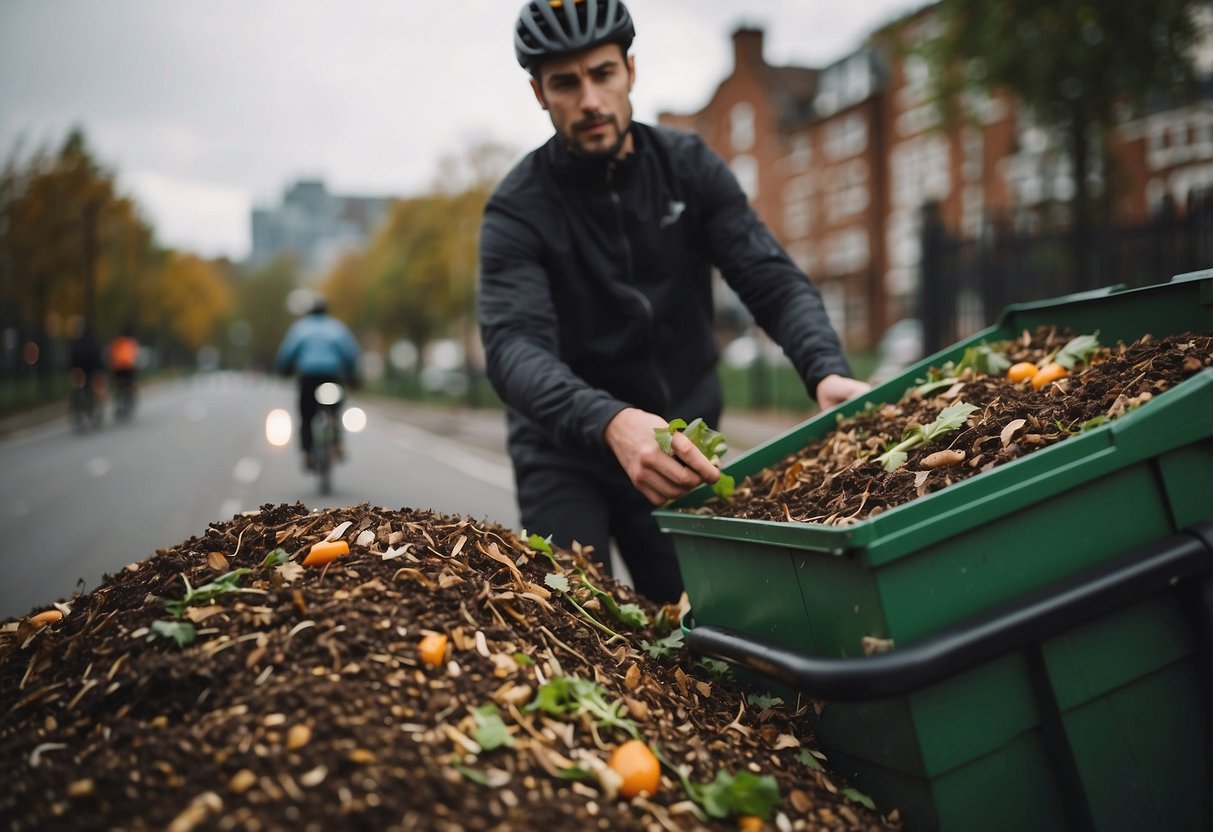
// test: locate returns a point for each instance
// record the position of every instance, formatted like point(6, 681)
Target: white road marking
point(99, 466)
point(247, 470)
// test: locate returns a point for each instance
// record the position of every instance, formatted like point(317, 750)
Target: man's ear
point(538, 90)
point(631, 59)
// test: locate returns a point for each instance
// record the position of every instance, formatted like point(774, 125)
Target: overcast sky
point(205, 108)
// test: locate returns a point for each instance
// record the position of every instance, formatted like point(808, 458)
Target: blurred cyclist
point(124, 361)
point(319, 348)
point(596, 257)
point(87, 369)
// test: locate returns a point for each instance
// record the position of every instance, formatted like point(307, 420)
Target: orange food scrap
point(750, 823)
point(1048, 374)
point(325, 551)
point(1022, 371)
point(638, 766)
point(432, 649)
point(46, 617)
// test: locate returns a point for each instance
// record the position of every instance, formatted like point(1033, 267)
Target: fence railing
point(966, 283)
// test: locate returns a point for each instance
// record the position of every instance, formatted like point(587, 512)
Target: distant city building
point(314, 226)
point(839, 162)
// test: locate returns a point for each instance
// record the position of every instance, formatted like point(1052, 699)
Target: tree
point(68, 242)
point(260, 302)
point(190, 301)
point(1076, 65)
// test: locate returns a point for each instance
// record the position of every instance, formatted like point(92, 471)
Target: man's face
point(586, 95)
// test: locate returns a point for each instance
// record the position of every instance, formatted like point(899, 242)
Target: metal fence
point(966, 283)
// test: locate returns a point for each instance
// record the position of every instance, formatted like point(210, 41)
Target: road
point(75, 507)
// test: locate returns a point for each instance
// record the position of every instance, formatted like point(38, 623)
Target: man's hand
point(835, 389)
point(658, 477)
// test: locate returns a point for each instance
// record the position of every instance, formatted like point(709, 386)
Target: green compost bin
point(1105, 724)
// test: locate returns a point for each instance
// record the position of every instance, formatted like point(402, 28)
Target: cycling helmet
point(549, 28)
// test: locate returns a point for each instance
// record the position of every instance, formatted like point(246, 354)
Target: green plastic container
point(973, 752)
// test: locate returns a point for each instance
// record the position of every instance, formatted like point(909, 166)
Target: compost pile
point(839, 479)
point(442, 675)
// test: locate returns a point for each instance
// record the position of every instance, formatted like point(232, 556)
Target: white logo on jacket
point(676, 209)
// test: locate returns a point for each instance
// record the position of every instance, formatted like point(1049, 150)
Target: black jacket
point(595, 290)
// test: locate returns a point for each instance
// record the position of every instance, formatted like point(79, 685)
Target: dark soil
point(302, 703)
point(835, 480)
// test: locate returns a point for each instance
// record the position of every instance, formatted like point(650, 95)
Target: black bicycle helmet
point(549, 28)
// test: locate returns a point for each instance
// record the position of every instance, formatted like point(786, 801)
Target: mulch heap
point(303, 700)
point(838, 479)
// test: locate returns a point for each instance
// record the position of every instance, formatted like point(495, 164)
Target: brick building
point(840, 160)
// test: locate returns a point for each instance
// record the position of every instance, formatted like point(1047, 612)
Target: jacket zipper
point(645, 304)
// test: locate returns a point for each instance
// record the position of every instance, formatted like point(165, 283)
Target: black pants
point(592, 507)
point(308, 407)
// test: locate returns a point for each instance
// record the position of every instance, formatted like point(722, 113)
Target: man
point(595, 297)
point(319, 348)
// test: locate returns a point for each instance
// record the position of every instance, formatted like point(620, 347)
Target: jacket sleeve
point(778, 294)
point(520, 331)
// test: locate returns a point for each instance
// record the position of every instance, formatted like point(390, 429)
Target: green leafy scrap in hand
point(711, 444)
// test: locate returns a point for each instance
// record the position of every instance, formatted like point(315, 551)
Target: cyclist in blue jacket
point(318, 348)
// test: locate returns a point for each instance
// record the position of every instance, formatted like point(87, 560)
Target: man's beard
point(576, 146)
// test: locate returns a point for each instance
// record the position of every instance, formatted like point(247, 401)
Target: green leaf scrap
point(664, 648)
point(1077, 351)
point(491, 731)
point(275, 558)
point(731, 795)
point(182, 632)
point(858, 797)
point(711, 444)
point(572, 695)
point(950, 419)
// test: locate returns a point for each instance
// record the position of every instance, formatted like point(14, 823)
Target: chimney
point(747, 47)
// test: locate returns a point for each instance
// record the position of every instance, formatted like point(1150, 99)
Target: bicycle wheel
point(322, 451)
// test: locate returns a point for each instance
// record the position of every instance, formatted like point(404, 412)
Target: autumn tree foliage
point(73, 246)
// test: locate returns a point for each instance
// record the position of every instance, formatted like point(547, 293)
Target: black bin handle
point(1079, 598)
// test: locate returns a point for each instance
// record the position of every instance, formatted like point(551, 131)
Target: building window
point(745, 168)
point(741, 127)
point(801, 154)
point(797, 207)
point(847, 252)
point(846, 136)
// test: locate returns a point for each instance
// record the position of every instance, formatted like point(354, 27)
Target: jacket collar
point(580, 168)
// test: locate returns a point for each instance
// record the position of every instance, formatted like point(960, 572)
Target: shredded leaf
point(182, 632)
point(491, 731)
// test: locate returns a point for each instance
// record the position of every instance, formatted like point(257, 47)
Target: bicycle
point(84, 407)
point(124, 397)
point(326, 437)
